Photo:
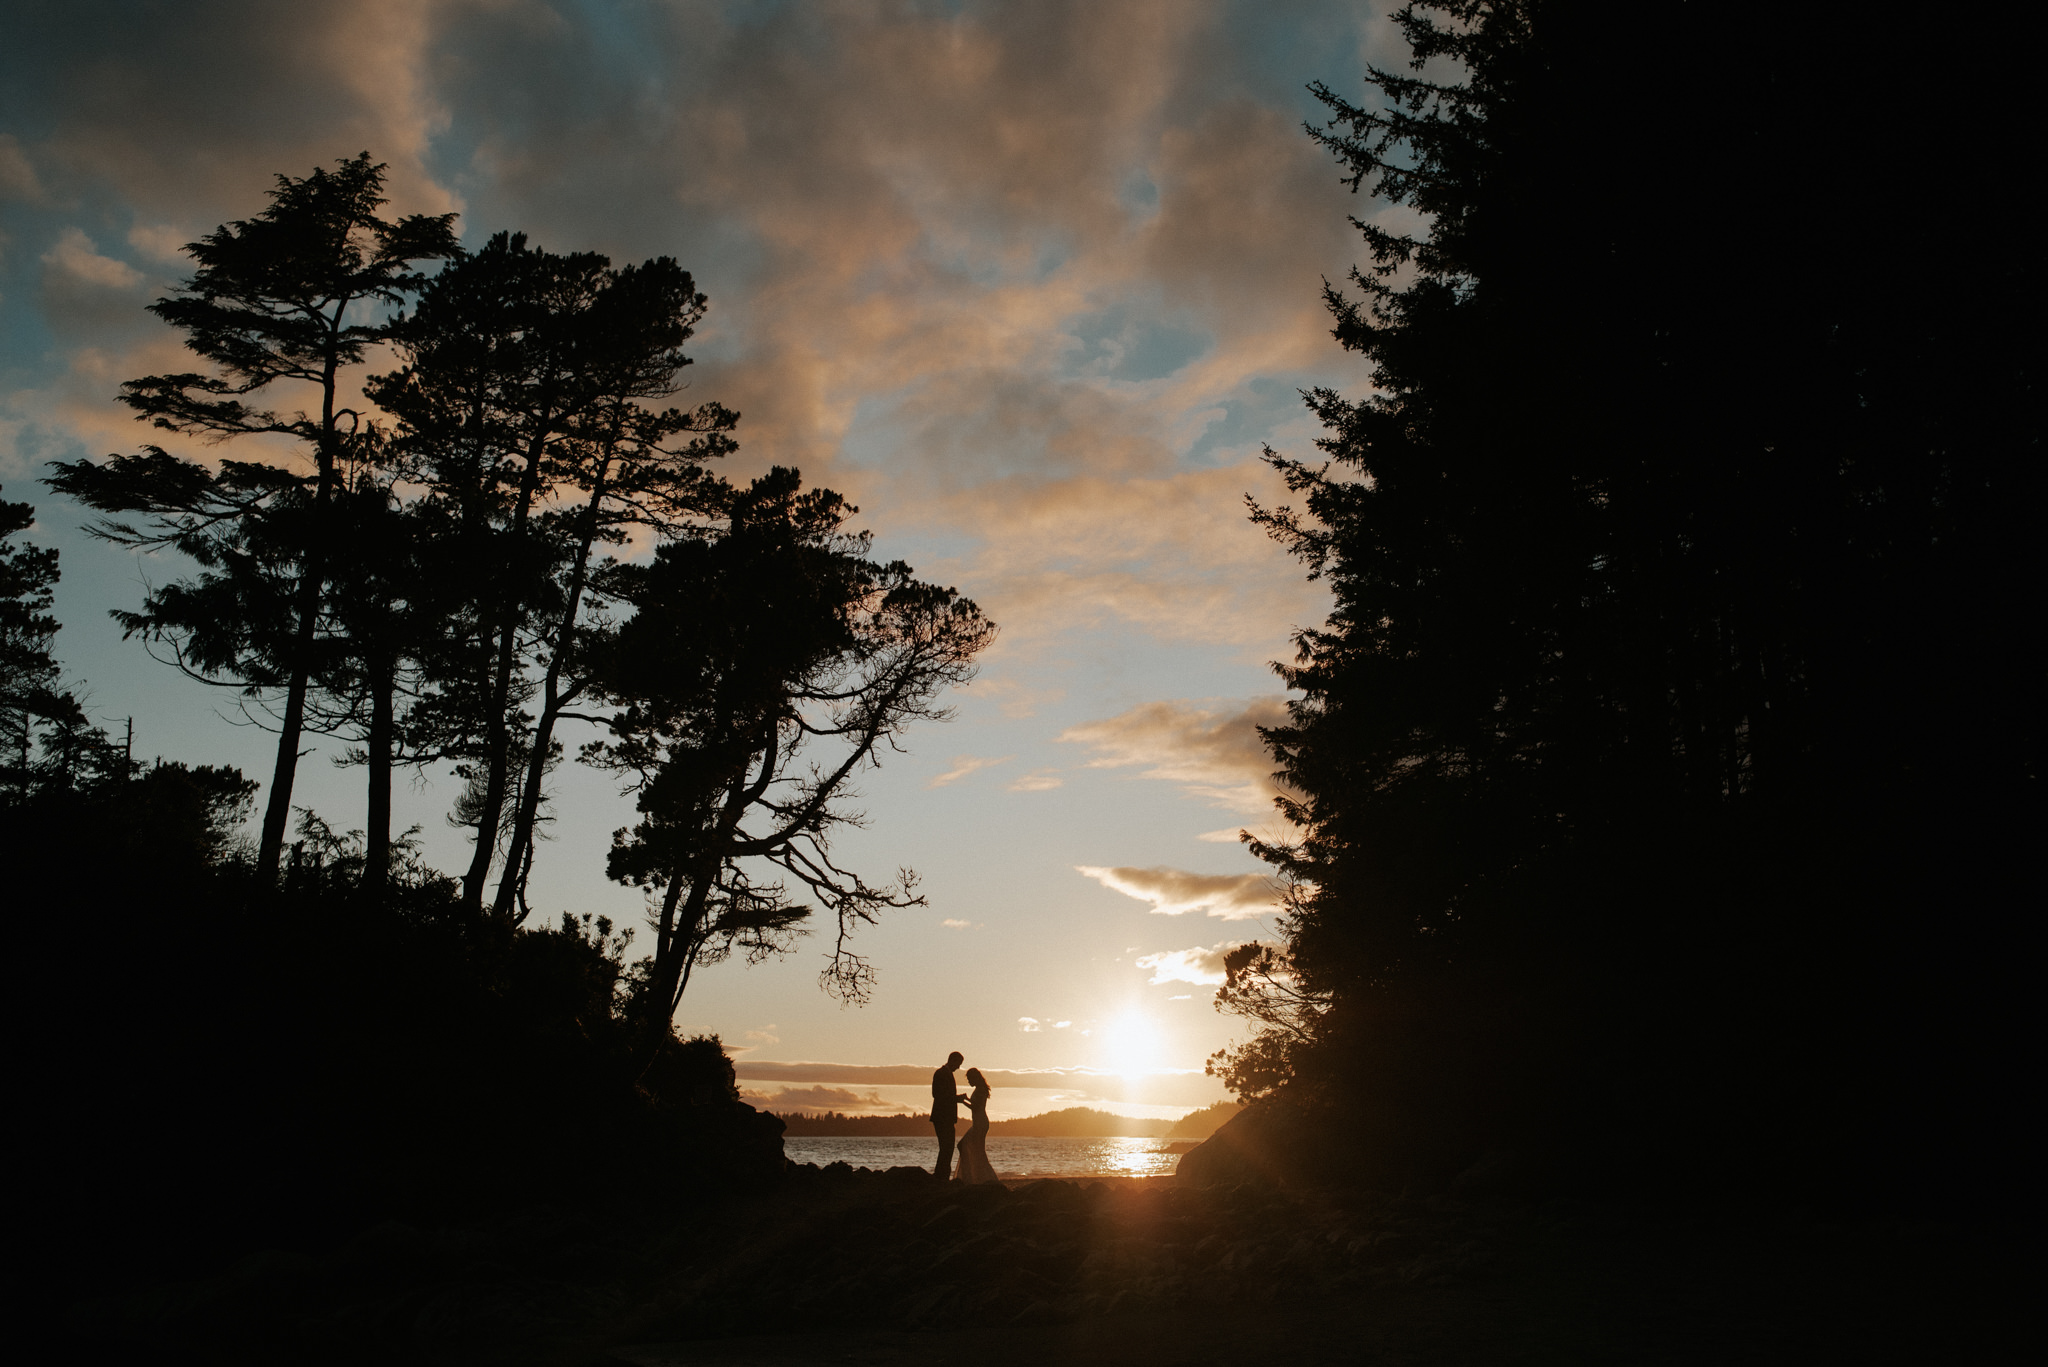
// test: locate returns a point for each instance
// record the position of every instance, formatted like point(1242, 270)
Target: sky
point(1032, 283)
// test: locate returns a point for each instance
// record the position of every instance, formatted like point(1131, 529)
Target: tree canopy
point(763, 669)
point(438, 583)
point(289, 296)
point(1678, 564)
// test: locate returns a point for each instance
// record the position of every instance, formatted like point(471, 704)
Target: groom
point(945, 1113)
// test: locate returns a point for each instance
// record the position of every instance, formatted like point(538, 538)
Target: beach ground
point(1448, 1282)
point(887, 1268)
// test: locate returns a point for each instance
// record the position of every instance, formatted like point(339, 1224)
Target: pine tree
point(278, 299)
point(1676, 650)
point(527, 378)
point(31, 693)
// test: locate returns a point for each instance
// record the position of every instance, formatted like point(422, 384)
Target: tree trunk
point(497, 735)
point(671, 965)
point(277, 811)
point(518, 851)
point(497, 747)
point(377, 821)
point(675, 952)
point(684, 933)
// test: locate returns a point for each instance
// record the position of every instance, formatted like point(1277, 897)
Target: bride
point(974, 1144)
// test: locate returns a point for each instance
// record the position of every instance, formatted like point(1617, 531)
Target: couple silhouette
point(946, 1114)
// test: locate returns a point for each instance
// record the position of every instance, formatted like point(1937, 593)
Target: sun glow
point(1131, 1044)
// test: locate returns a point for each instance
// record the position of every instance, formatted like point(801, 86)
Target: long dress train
point(974, 1165)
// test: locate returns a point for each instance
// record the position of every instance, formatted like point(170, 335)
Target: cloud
point(814, 1099)
point(1051, 261)
point(1031, 283)
point(1166, 552)
point(161, 241)
point(76, 259)
point(1212, 754)
point(1201, 966)
point(762, 1036)
point(952, 923)
point(1029, 1024)
point(963, 765)
point(1051, 1087)
point(1014, 698)
point(186, 113)
point(18, 178)
point(1174, 892)
point(918, 1075)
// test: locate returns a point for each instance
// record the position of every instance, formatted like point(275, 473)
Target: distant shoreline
point(1077, 1122)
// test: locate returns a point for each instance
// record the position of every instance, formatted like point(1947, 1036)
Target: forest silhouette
point(1667, 772)
point(295, 1038)
point(1665, 778)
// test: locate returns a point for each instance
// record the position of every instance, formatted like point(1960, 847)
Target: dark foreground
point(887, 1268)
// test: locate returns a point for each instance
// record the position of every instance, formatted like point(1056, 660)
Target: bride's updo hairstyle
point(974, 1076)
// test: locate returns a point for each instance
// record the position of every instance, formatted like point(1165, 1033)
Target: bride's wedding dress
point(973, 1165)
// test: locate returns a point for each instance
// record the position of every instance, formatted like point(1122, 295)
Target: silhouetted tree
point(384, 604)
point(763, 668)
point(29, 675)
point(52, 748)
point(627, 465)
point(277, 298)
point(1677, 653)
point(525, 377)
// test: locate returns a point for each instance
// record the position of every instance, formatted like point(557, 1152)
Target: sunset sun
point(1130, 1044)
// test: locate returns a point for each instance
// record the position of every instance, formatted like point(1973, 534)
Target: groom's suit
point(945, 1119)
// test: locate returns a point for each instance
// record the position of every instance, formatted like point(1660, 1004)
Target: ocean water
point(1010, 1157)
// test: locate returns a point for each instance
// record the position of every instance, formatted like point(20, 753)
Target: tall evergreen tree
point(526, 379)
point(31, 694)
point(384, 605)
point(1617, 709)
point(286, 297)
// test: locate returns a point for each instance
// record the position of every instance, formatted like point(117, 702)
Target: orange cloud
point(1202, 966)
point(1175, 892)
point(1215, 755)
point(963, 765)
point(789, 1099)
point(918, 231)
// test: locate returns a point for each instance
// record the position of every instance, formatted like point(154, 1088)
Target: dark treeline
point(1668, 769)
point(275, 1037)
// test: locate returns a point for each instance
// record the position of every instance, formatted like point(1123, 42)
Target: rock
point(943, 1221)
point(1262, 1144)
point(978, 1198)
point(759, 1138)
point(1050, 1194)
point(903, 1175)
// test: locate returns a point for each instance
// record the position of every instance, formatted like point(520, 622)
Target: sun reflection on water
point(1011, 1157)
